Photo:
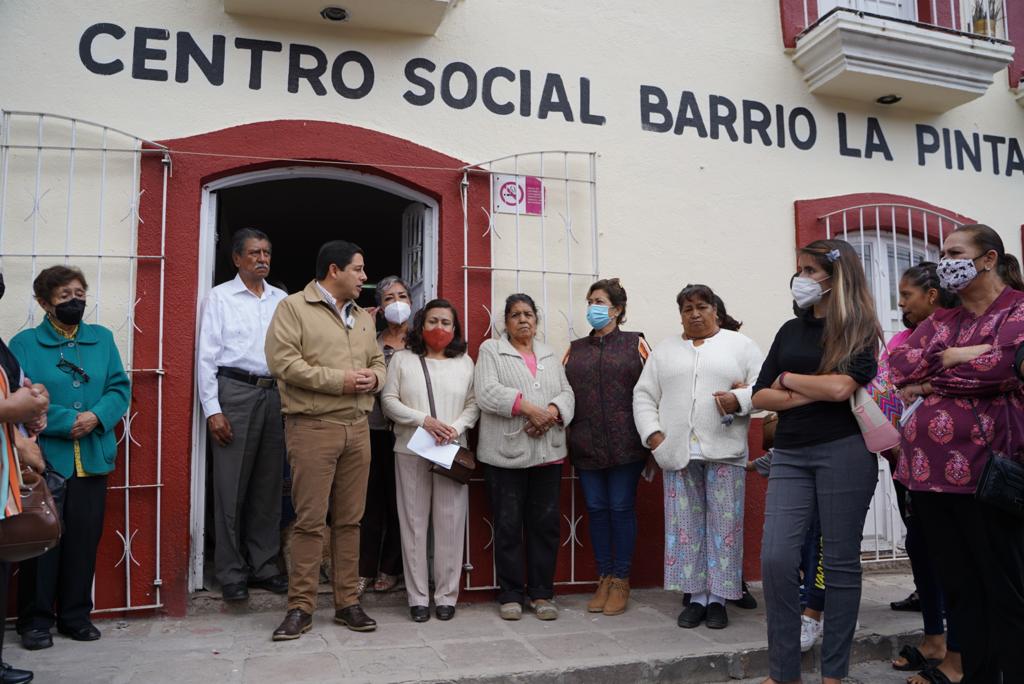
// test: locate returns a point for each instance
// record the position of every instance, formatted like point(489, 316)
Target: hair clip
point(833, 256)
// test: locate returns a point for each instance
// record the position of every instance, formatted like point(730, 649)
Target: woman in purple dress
point(962, 359)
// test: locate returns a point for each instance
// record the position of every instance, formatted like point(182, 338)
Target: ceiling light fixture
point(888, 99)
point(334, 13)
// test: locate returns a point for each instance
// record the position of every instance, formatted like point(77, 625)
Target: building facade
point(478, 148)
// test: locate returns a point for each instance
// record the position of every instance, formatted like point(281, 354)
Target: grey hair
point(386, 284)
point(240, 236)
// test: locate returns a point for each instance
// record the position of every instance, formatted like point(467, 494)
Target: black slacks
point(380, 537)
point(63, 575)
point(525, 505)
point(979, 554)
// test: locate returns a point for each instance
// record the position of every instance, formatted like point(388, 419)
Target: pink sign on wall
point(518, 195)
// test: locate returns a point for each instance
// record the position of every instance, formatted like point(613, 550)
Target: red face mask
point(438, 338)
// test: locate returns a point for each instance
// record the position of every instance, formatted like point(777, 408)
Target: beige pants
point(330, 465)
point(422, 497)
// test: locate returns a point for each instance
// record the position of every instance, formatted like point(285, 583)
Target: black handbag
point(1001, 484)
point(464, 464)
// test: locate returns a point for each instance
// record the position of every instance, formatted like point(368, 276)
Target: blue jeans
point(610, 494)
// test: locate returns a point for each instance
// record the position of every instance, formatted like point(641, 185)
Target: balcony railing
point(977, 17)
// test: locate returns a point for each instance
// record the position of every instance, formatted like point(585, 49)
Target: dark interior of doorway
point(299, 215)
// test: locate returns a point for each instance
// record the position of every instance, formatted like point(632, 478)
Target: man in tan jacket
point(322, 349)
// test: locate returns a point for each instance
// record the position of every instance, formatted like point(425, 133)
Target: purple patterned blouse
point(944, 447)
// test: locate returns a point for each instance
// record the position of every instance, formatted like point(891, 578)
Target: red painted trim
point(942, 15)
point(791, 12)
point(1022, 241)
point(1015, 28)
point(792, 16)
point(809, 227)
point(430, 172)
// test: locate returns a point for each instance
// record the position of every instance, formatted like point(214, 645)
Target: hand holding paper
point(424, 444)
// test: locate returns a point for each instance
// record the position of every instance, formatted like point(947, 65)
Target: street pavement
point(642, 645)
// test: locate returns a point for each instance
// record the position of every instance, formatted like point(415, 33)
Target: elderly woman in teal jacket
point(89, 393)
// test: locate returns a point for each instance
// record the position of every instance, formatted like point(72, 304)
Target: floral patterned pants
point(704, 529)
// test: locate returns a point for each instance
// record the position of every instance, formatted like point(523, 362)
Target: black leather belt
point(264, 381)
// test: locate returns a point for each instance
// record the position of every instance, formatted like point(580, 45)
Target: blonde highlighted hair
point(851, 324)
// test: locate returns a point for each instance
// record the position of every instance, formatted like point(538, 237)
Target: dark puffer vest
point(603, 372)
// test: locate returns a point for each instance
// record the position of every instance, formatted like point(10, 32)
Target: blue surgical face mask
point(598, 316)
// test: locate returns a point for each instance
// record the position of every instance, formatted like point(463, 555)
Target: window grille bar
point(102, 224)
point(71, 186)
point(5, 132)
point(544, 248)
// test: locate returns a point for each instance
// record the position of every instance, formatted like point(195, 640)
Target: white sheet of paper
point(424, 444)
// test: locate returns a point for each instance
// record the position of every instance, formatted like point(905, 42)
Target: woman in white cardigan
point(525, 404)
point(435, 341)
point(692, 408)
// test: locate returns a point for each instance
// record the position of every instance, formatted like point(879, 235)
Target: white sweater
point(404, 397)
point(675, 396)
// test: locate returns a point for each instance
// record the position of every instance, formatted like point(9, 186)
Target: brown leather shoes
point(355, 618)
point(296, 623)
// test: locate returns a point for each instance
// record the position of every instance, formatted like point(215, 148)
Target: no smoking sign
point(518, 195)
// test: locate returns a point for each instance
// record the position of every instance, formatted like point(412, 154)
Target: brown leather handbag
point(36, 529)
point(464, 465)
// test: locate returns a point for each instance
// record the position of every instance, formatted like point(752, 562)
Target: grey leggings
point(840, 478)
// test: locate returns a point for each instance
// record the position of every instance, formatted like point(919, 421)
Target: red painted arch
point(810, 226)
point(197, 160)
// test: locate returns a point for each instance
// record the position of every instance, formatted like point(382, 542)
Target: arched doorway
point(300, 208)
point(325, 151)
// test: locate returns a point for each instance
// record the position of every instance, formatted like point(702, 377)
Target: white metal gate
point(890, 238)
point(69, 193)
point(550, 254)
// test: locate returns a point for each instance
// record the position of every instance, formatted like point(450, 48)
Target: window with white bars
point(890, 238)
point(899, 9)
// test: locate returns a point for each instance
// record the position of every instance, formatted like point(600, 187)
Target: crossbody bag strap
point(430, 388)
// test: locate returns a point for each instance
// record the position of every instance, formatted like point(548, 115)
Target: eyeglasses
point(72, 369)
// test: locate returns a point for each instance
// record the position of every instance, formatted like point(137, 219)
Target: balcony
point(417, 17)
point(931, 67)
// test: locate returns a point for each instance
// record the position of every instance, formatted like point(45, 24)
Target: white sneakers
point(810, 632)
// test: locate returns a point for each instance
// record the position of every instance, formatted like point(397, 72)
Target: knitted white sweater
point(404, 397)
point(675, 395)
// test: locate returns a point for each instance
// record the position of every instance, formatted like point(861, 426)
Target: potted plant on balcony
point(985, 15)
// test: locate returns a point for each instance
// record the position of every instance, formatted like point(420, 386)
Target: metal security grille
point(542, 228)
point(890, 238)
point(69, 193)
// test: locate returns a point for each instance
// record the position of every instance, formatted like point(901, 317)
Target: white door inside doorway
point(417, 241)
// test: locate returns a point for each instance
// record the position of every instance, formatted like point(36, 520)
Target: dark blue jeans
point(926, 580)
point(610, 494)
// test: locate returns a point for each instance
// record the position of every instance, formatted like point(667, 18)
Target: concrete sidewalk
point(642, 645)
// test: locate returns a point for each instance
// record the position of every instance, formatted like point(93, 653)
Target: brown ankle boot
point(618, 596)
point(596, 604)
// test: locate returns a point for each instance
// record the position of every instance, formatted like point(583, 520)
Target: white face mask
point(397, 312)
point(956, 274)
point(807, 292)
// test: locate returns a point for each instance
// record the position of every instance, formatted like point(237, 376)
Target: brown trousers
point(330, 465)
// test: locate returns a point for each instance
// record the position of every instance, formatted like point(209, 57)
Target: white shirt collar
point(240, 287)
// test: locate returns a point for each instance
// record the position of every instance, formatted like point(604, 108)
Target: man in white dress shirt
point(243, 413)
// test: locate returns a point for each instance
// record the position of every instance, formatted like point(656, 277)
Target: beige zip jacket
point(309, 349)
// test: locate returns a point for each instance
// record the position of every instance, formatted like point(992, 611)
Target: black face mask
point(2, 286)
point(70, 312)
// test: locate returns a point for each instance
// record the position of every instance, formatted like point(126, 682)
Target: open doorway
point(300, 209)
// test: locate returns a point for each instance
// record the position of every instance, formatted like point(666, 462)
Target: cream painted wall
point(673, 209)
